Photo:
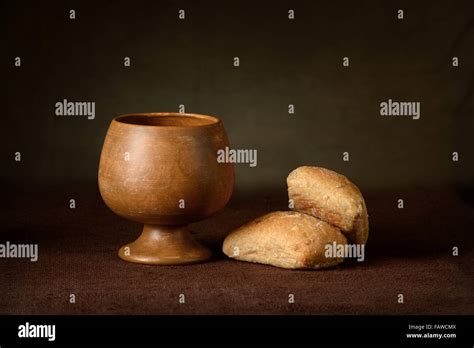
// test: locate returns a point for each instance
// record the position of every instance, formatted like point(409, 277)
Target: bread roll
point(330, 197)
point(284, 239)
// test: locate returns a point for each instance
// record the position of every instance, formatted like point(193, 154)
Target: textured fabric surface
point(409, 252)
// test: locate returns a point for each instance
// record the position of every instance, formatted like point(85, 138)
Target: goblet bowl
point(161, 169)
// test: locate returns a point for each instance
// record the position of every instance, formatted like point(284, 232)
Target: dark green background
point(191, 62)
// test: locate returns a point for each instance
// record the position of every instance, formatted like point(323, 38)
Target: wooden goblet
point(161, 169)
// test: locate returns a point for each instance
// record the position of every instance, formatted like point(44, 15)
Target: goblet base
point(165, 245)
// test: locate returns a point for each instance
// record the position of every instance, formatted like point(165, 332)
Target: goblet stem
point(165, 245)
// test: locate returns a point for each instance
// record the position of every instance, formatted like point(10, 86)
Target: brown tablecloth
point(409, 252)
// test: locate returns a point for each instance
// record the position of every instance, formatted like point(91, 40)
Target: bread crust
point(330, 197)
point(284, 239)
